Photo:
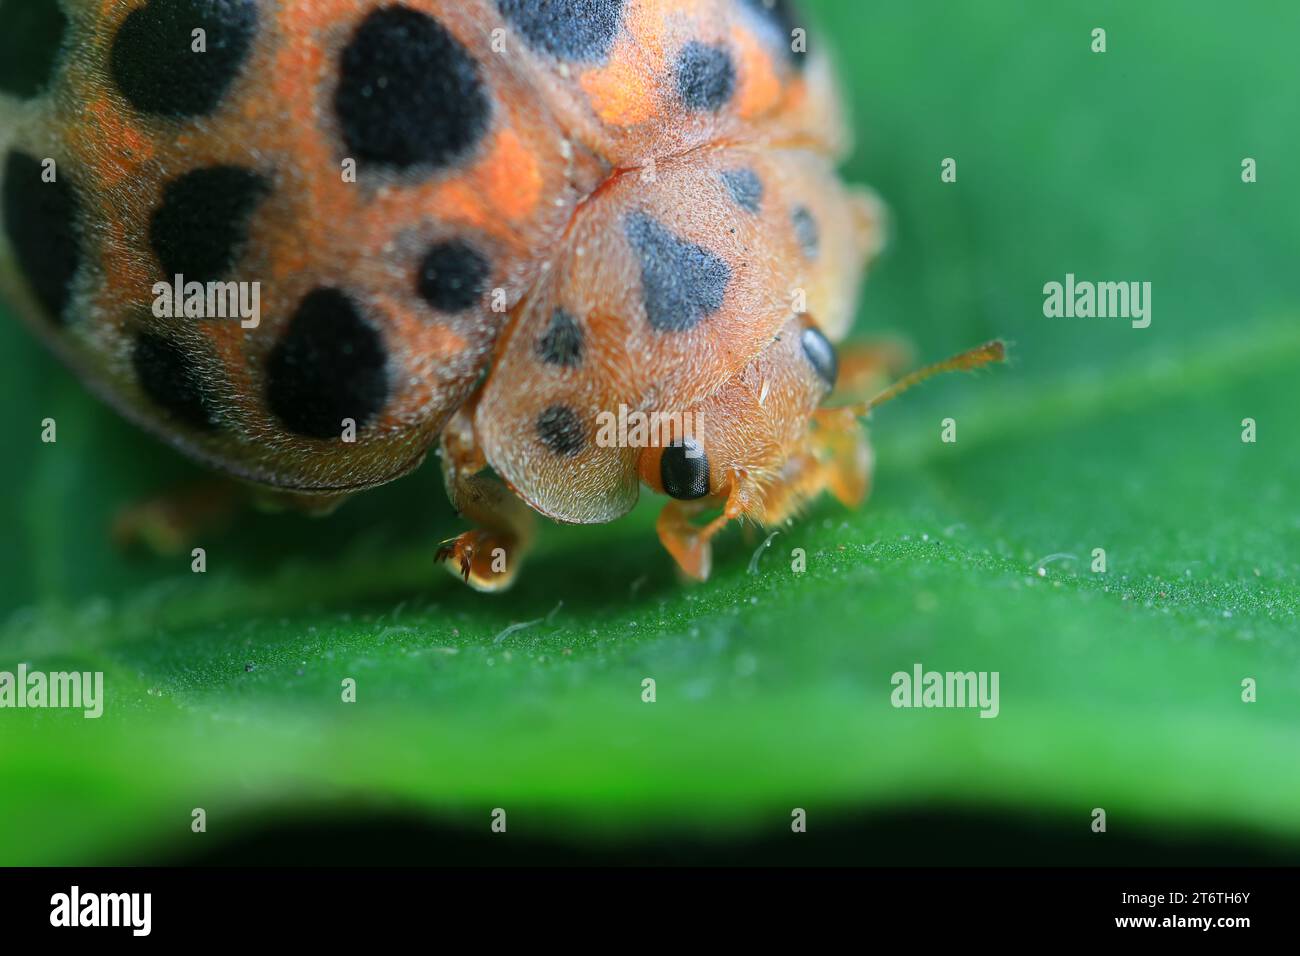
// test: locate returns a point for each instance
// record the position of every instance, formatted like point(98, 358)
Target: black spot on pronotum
point(561, 431)
point(154, 63)
point(452, 276)
point(745, 187)
point(706, 77)
point(31, 32)
point(820, 354)
point(40, 221)
point(409, 93)
point(169, 378)
point(582, 30)
point(201, 225)
point(781, 19)
point(682, 283)
point(805, 230)
point(684, 470)
point(561, 343)
point(329, 365)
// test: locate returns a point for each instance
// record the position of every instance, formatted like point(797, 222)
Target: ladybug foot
point(170, 523)
point(689, 544)
point(485, 560)
point(692, 552)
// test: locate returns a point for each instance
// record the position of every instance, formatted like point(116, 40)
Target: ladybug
point(304, 241)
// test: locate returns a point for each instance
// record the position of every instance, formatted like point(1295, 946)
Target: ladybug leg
point(841, 458)
point(487, 557)
point(691, 544)
point(169, 523)
point(836, 457)
point(275, 500)
point(866, 367)
point(684, 540)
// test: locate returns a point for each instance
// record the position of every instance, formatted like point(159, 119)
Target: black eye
point(821, 354)
point(684, 470)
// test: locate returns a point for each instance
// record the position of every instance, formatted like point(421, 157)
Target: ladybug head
point(763, 442)
point(751, 426)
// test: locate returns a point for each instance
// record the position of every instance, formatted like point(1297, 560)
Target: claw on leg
point(458, 553)
point(485, 560)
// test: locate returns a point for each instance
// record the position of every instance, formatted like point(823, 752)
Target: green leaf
point(1120, 690)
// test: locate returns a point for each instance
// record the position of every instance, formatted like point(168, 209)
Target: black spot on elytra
point(30, 37)
point(805, 230)
point(154, 64)
point(561, 343)
point(780, 15)
point(40, 221)
point(682, 283)
point(581, 30)
point(821, 354)
point(745, 187)
point(706, 77)
point(201, 225)
point(169, 378)
point(684, 470)
point(409, 93)
point(452, 276)
point(329, 365)
point(560, 430)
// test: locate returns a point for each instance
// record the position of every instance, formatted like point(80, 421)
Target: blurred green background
point(1119, 690)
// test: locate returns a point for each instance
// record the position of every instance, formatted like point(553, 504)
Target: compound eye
point(684, 470)
point(820, 354)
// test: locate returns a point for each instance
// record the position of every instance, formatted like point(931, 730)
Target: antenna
point(981, 355)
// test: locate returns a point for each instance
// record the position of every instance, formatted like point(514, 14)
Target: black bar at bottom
point(237, 904)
